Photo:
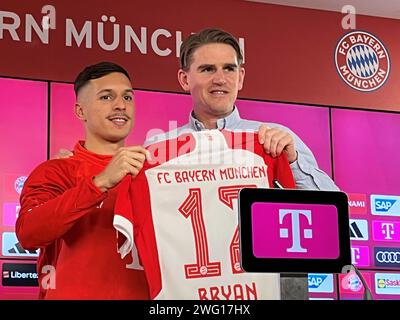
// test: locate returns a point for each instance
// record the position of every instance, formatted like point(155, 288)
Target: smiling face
point(213, 80)
point(107, 108)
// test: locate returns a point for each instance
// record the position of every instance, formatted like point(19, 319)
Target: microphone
point(277, 184)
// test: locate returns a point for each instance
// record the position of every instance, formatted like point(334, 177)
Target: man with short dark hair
point(211, 69)
point(67, 204)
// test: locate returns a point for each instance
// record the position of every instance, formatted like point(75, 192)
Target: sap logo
point(383, 205)
point(319, 282)
point(314, 281)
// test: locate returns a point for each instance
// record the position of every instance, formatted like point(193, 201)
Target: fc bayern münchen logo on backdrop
point(19, 184)
point(362, 61)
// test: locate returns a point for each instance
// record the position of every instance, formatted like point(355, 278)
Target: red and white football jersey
point(181, 213)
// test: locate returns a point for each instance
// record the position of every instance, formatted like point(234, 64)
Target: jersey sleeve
point(131, 208)
point(133, 221)
point(280, 170)
point(123, 217)
point(50, 206)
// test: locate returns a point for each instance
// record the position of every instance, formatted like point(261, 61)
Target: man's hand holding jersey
point(276, 140)
point(127, 160)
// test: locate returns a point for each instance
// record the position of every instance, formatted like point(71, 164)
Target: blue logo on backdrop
point(12, 248)
point(383, 205)
point(19, 184)
point(320, 282)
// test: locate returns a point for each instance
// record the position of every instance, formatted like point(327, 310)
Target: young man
point(212, 71)
point(67, 204)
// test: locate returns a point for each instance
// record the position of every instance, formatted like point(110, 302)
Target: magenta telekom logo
point(287, 230)
point(360, 256)
point(296, 236)
point(10, 213)
point(386, 230)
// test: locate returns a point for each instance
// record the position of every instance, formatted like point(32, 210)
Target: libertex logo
point(296, 230)
point(19, 274)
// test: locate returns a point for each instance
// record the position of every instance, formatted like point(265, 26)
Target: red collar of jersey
point(92, 157)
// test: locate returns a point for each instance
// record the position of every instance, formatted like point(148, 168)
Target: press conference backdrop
point(359, 149)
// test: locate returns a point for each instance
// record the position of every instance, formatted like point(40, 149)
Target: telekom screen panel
point(293, 230)
point(287, 226)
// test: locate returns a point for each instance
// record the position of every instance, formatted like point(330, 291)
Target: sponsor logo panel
point(359, 229)
point(12, 248)
point(320, 282)
point(350, 283)
point(357, 203)
point(387, 283)
point(383, 205)
point(386, 231)
point(19, 275)
point(387, 257)
point(360, 256)
point(10, 213)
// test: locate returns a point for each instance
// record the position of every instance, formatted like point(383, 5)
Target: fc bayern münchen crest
point(362, 61)
point(19, 184)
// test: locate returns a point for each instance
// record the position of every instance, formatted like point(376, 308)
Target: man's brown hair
point(206, 36)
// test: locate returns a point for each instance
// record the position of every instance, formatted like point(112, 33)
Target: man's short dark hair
point(206, 36)
point(96, 71)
